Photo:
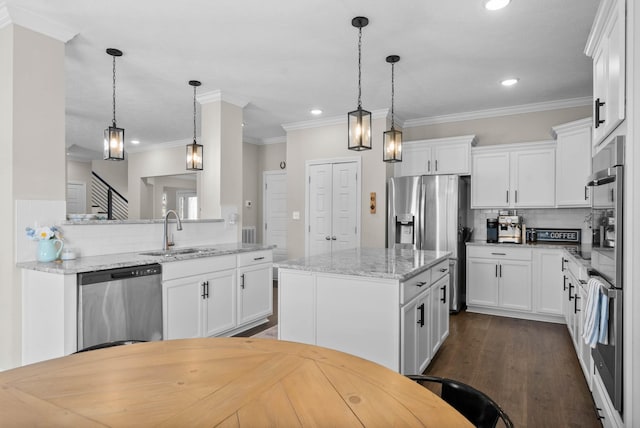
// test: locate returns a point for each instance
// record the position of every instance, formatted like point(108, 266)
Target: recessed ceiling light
point(135, 142)
point(510, 82)
point(316, 112)
point(496, 4)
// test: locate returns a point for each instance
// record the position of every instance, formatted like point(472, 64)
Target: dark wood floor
point(529, 368)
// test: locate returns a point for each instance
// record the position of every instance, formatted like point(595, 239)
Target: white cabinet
point(255, 284)
point(198, 297)
point(399, 324)
point(199, 306)
point(439, 313)
point(417, 323)
point(436, 156)
point(573, 163)
point(514, 175)
point(547, 281)
point(499, 278)
point(606, 46)
point(210, 297)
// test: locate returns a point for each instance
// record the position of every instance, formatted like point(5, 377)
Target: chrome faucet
point(165, 238)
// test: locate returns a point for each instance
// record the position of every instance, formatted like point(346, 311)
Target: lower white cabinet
point(200, 306)
point(499, 278)
point(255, 292)
point(397, 324)
point(211, 296)
point(547, 281)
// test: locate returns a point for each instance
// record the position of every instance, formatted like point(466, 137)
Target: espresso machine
point(510, 229)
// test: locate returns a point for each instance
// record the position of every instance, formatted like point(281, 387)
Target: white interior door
point(275, 212)
point(320, 210)
point(345, 206)
point(76, 197)
point(333, 215)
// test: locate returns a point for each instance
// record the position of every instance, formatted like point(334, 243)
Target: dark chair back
point(473, 404)
point(109, 345)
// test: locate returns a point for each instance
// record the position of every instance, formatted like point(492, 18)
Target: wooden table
point(217, 382)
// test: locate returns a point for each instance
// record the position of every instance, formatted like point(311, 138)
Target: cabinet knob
point(328, 238)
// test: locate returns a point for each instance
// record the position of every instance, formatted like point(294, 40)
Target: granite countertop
point(112, 261)
point(581, 253)
point(383, 263)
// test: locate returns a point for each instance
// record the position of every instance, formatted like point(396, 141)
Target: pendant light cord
point(359, 67)
point(392, 94)
point(194, 114)
point(114, 92)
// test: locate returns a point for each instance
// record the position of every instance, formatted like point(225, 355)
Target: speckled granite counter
point(111, 261)
point(581, 253)
point(369, 262)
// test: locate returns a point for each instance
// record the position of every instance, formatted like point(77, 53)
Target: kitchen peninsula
point(390, 306)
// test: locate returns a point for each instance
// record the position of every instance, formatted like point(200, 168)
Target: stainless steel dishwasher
point(119, 305)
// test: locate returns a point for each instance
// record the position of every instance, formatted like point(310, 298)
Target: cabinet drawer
point(185, 268)
point(255, 257)
point(414, 286)
point(439, 270)
point(497, 252)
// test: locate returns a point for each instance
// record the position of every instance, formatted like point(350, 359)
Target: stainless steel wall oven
point(607, 183)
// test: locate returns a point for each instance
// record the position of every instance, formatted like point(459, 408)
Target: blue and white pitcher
point(47, 251)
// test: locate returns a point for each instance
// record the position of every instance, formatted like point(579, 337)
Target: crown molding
point(472, 140)
point(40, 24)
point(576, 125)
point(496, 112)
point(501, 148)
point(605, 10)
point(273, 140)
point(334, 120)
point(218, 95)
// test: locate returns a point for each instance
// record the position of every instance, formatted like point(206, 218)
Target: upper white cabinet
point(606, 46)
point(436, 156)
point(573, 163)
point(514, 175)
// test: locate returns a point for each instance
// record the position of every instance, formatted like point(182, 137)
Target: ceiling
point(288, 56)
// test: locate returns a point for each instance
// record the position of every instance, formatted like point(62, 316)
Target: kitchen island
point(389, 306)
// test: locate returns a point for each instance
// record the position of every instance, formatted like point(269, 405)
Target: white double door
point(333, 220)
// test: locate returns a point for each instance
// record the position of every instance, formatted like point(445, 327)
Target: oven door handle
point(601, 177)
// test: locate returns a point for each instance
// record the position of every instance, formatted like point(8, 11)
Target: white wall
point(157, 162)
point(516, 128)
point(115, 173)
point(32, 163)
point(251, 179)
point(326, 142)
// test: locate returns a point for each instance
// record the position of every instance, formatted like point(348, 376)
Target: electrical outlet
point(372, 204)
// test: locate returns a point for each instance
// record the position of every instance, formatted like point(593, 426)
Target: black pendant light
point(194, 150)
point(359, 121)
point(114, 136)
point(392, 149)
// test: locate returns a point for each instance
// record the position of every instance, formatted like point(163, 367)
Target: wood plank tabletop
point(226, 382)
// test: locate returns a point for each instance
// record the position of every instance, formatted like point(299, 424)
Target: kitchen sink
point(177, 252)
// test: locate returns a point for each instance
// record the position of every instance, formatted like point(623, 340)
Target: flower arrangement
point(43, 233)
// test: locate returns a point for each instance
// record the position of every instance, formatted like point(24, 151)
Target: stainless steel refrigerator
point(431, 212)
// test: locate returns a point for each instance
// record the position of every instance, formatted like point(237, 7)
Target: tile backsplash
point(101, 239)
point(570, 218)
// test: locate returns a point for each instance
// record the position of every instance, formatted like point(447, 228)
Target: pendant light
point(194, 150)
point(114, 136)
point(359, 121)
point(392, 150)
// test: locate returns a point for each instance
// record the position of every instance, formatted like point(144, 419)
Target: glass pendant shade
point(114, 143)
point(392, 150)
point(114, 136)
point(359, 122)
point(194, 150)
point(194, 156)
